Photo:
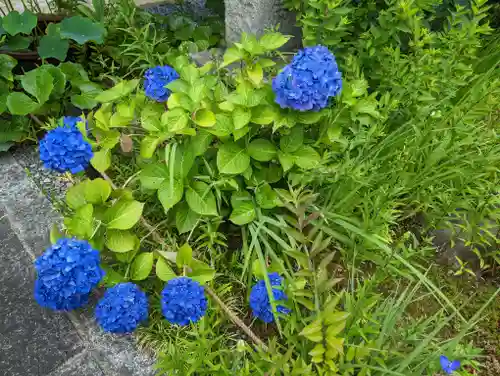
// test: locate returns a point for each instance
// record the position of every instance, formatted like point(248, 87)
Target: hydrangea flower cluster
point(122, 308)
point(259, 299)
point(183, 301)
point(67, 272)
point(308, 81)
point(156, 80)
point(64, 148)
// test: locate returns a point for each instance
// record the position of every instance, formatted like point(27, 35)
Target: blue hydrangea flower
point(64, 148)
point(259, 299)
point(449, 366)
point(156, 80)
point(66, 273)
point(71, 121)
point(183, 301)
point(123, 307)
point(308, 81)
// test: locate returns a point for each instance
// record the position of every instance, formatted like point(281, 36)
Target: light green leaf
point(200, 143)
point(118, 91)
point(201, 199)
point(52, 46)
point(75, 195)
point(124, 214)
point(39, 83)
point(293, 141)
point(239, 133)
point(164, 271)
point(255, 74)
point(180, 100)
point(204, 118)
point(201, 272)
point(287, 160)
point(243, 208)
point(80, 224)
point(120, 241)
point(184, 256)
point(149, 145)
point(184, 160)
point(170, 195)
point(241, 117)
point(262, 150)
point(175, 119)
point(151, 115)
point(232, 55)
point(310, 117)
point(266, 197)
point(178, 86)
point(263, 114)
point(59, 78)
point(97, 191)
point(273, 41)
point(153, 175)
point(14, 23)
point(82, 30)
point(21, 104)
point(7, 63)
point(223, 126)
point(185, 218)
point(101, 160)
point(307, 158)
point(141, 266)
point(232, 159)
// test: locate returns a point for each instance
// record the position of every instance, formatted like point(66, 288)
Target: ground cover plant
point(265, 214)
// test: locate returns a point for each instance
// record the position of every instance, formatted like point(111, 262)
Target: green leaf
point(120, 241)
point(97, 191)
point(232, 55)
point(184, 160)
point(180, 100)
point(151, 115)
point(118, 91)
point(273, 41)
point(250, 44)
point(84, 101)
point(243, 208)
point(7, 63)
point(287, 160)
point(223, 126)
point(185, 218)
point(239, 133)
point(82, 30)
point(310, 117)
point(201, 272)
point(58, 77)
point(17, 43)
point(262, 150)
point(232, 159)
point(55, 234)
point(170, 195)
point(75, 195)
point(175, 119)
point(200, 143)
point(107, 139)
point(204, 118)
point(263, 114)
point(255, 74)
point(53, 47)
point(178, 86)
point(21, 104)
point(241, 117)
point(164, 271)
point(293, 141)
point(14, 23)
point(101, 160)
point(149, 145)
point(201, 199)
point(184, 255)
point(153, 175)
point(141, 266)
point(266, 197)
point(39, 83)
point(307, 158)
point(80, 224)
point(124, 214)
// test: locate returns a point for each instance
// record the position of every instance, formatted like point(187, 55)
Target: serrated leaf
point(200, 272)
point(185, 218)
point(120, 241)
point(336, 317)
point(180, 100)
point(263, 114)
point(82, 30)
point(255, 74)
point(184, 255)
point(223, 126)
point(243, 208)
point(97, 191)
point(169, 195)
point(124, 214)
point(141, 266)
point(262, 150)
point(266, 197)
point(175, 119)
point(200, 143)
point(153, 175)
point(292, 141)
point(204, 118)
point(101, 160)
point(118, 91)
point(164, 271)
point(307, 158)
point(201, 199)
point(232, 159)
point(75, 195)
point(241, 117)
point(313, 331)
point(232, 55)
point(286, 160)
point(273, 41)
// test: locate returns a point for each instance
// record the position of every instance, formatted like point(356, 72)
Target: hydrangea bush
point(260, 302)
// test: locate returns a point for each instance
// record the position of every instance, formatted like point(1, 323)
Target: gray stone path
point(35, 341)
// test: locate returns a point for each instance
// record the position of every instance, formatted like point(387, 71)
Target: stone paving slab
point(35, 341)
